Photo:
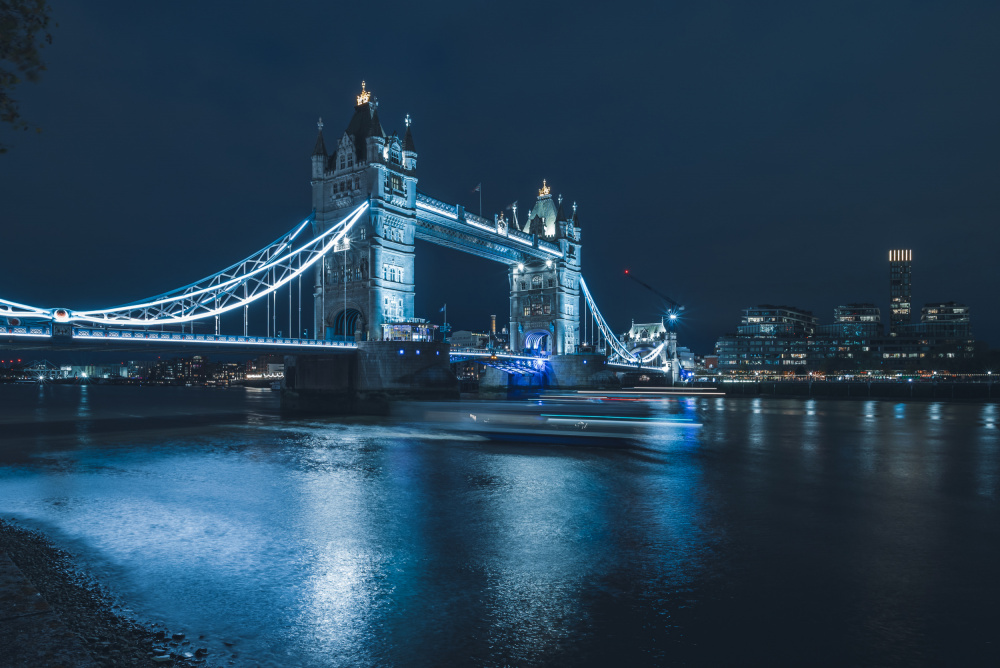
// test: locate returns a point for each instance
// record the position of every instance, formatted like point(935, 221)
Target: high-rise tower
point(900, 302)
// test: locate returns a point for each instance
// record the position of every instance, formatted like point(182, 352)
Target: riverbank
point(925, 390)
point(56, 615)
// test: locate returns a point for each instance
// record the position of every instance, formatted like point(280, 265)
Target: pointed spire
point(408, 144)
point(320, 148)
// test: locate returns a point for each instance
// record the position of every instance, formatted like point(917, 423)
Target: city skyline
point(731, 196)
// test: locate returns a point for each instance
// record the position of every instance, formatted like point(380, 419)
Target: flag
point(478, 188)
point(441, 310)
point(510, 207)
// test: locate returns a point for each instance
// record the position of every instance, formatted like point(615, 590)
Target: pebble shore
point(91, 623)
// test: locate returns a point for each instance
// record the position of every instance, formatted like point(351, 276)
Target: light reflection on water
point(318, 542)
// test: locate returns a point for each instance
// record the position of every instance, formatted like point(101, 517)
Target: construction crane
point(677, 307)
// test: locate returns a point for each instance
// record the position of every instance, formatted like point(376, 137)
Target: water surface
point(781, 532)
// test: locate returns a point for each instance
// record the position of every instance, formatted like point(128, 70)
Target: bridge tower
point(369, 280)
point(545, 294)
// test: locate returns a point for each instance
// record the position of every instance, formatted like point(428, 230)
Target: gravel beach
point(95, 625)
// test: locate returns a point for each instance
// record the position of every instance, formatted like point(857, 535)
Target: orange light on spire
point(365, 95)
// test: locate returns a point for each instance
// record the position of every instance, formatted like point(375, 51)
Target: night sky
point(729, 154)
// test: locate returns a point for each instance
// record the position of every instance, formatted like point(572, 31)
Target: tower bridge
point(372, 285)
point(367, 213)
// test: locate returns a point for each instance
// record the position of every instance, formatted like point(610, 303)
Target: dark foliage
point(24, 32)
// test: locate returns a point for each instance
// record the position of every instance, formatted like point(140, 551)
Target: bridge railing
point(438, 206)
point(550, 247)
point(25, 330)
point(232, 339)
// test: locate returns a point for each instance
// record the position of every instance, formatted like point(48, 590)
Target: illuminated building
point(944, 332)
point(417, 329)
point(768, 320)
point(948, 319)
point(769, 338)
point(468, 339)
point(858, 321)
point(900, 297)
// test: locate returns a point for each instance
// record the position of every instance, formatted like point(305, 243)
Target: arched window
point(536, 282)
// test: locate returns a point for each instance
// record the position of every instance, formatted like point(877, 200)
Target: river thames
point(761, 531)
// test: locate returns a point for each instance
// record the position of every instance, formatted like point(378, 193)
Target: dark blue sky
point(728, 153)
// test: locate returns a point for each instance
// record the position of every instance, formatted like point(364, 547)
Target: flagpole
point(480, 200)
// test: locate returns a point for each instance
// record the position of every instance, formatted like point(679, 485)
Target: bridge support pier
point(561, 372)
point(367, 381)
point(582, 371)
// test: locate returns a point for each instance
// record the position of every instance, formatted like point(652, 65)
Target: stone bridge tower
point(545, 294)
point(369, 280)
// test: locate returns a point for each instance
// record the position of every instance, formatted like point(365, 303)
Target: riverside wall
point(930, 391)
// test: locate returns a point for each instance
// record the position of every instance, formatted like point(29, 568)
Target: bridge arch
point(537, 341)
point(345, 323)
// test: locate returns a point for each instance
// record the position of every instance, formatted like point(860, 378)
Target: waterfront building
point(769, 338)
point(769, 320)
point(467, 339)
point(900, 296)
point(943, 333)
point(777, 338)
point(946, 319)
point(416, 329)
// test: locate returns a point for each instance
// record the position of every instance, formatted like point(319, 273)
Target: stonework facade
point(369, 280)
point(545, 295)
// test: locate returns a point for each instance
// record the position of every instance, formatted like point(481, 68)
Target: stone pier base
point(561, 372)
point(368, 380)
